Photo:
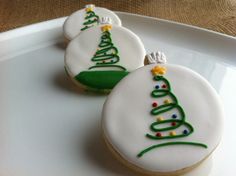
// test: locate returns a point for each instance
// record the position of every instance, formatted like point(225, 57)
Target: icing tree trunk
point(170, 121)
point(90, 19)
point(105, 73)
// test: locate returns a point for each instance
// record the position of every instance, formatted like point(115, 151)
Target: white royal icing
point(90, 6)
point(82, 48)
point(156, 58)
point(105, 20)
point(127, 118)
point(74, 22)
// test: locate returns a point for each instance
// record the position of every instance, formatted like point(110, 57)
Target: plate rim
point(57, 22)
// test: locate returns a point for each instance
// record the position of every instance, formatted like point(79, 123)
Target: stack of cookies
point(102, 51)
point(158, 119)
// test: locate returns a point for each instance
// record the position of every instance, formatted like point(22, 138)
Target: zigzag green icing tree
point(107, 54)
point(164, 127)
point(91, 18)
point(106, 73)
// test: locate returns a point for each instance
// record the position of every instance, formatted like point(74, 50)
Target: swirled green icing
point(91, 19)
point(170, 124)
point(115, 66)
point(107, 54)
point(170, 143)
point(178, 124)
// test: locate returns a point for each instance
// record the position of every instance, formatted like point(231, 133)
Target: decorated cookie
point(162, 119)
point(101, 56)
point(83, 19)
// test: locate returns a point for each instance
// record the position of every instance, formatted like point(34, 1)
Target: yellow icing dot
point(166, 101)
point(158, 70)
point(89, 9)
point(160, 119)
point(172, 133)
point(106, 27)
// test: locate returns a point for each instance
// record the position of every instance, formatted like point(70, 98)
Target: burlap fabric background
point(217, 15)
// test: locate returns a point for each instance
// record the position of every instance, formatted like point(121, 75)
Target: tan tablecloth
point(217, 15)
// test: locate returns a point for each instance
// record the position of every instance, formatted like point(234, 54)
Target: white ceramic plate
point(49, 128)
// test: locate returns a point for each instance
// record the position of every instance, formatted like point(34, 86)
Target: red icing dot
point(158, 135)
point(173, 123)
point(163, 86)
point(154, 104)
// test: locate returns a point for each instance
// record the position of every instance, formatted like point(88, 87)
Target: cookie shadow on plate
point(98, 154)
point(61, 45)
point(203, 169)
point(64, 83)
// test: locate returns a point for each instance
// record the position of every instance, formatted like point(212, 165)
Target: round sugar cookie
point(101, 56)
point(162, 119)
point(83, 19)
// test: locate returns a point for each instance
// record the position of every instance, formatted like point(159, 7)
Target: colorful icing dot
point(158, 134)
point(157, 86)
point(103, 61)
point(160, 119)
point(174, 116)
point(154, 104)
point(185, 132)
point(163, 86)
point(173, 123)
point(172, 133)
point(166, 101)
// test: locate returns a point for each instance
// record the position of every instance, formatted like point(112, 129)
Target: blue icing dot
point(157, 86)
point(185, 131)
point(174, 116)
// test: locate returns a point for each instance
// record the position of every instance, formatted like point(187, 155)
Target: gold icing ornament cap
point(106, 22)
point(158, 70)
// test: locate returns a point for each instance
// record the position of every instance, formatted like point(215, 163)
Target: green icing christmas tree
point(91, 18)
point(165, 127)
point(106, 72)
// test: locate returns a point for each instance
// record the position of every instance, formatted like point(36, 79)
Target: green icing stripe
point(179, 123)
point(170, 143)
point(166, 107)
point(91, 18)
point(169, 121)
point(161, 78)
point(115, 66)
point(100, 79)
point(162, 93)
